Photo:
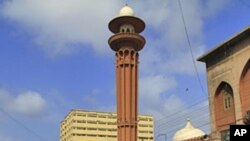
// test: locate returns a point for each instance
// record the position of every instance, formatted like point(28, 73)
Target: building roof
point(230, 42)
point(188, 132)
point(102, 112)
point(126, 16)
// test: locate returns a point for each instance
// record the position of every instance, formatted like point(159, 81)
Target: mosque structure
point(190, 133)
point(126, 43)
point(228, 77)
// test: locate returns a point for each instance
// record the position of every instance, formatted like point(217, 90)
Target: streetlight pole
point(165, 136)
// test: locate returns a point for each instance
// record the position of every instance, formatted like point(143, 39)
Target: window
point(227, 101)
point(225, 135)
point(92, 115)
point(102, 116)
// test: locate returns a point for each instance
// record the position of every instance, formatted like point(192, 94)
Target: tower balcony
point(120, 40)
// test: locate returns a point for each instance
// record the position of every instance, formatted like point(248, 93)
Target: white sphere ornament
point(126, 11)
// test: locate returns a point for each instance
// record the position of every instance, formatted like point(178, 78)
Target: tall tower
point(126, 42)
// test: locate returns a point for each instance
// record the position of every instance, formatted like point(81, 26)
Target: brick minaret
point(126, 42)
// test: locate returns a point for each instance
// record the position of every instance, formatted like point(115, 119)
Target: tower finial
point(126, 11)
point(188, 118)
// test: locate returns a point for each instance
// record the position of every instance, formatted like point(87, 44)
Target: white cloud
point(63, 26)
point(60, 26)
point(152, 90)
point(28, 103)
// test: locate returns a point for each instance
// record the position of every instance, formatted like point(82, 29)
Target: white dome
point(188, 132)
point(126, 11)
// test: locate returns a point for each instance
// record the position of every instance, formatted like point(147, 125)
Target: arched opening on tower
point(245, 88)
point(224, 107)
point(127, 28)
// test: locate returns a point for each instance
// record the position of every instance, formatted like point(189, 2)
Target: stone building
point(228, 77)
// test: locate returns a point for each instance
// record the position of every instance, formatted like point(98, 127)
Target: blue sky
point(54, 57)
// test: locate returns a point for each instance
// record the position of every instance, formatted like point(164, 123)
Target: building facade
point(228, 77)
point(82, 125)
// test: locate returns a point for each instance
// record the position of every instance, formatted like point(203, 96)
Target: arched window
point(128, 28)
point(224, 106)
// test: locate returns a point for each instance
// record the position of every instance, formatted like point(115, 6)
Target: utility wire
point(160, 129)
point(176, 125)
point(22, 125)
point(195, 67)
point(236, 113)
point(200, 110)
point(213, 121)
point(177, 112)
point(193, 60)
point(190, 49)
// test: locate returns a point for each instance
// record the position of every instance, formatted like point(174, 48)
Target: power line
point(235, 103)
point(190, 49)
point(202, 125)
point(195, 110)
point(203, 118)
point(178, 118)
point(216, 119)
point(177, 112)
point(22, 125)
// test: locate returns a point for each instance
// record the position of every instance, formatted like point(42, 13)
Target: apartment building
point(83, 125)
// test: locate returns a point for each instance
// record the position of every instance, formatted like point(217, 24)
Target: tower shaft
point(127, 45)
point(127, 93)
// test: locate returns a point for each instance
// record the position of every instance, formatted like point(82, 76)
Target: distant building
point(228, 76)
point(189, 133)
point(82, 125)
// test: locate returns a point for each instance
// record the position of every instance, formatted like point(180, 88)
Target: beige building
point(228, 76)
point(82, 125)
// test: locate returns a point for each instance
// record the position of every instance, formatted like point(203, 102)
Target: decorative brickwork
point(228, 66)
